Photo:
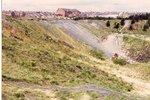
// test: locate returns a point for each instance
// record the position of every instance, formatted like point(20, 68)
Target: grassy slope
point(15, 93)
point(35, 55)
point(98, 31)
point(140, 70)
point(138, 47)
point(102, 30)
point(140, 31)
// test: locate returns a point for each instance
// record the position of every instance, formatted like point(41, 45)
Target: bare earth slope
point(110, 45)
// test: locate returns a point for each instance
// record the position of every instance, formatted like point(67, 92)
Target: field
point(36, 53)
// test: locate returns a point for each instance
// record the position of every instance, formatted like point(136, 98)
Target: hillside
point(37, 55)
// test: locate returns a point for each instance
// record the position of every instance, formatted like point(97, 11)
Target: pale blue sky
point(83, 5)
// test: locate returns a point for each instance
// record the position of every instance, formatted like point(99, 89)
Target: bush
point(132, 21)
point(122, 22)
point(108, 23)
point(13, 14)
point(148, 21)
point(98, 54)
point(120, 61)
point(146, 26)
point(19, 95)
point(54, 83)
point(116, 25)
point(131, 28)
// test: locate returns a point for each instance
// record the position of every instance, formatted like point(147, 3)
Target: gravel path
point(90, 87)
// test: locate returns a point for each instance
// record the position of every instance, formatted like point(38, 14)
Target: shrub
point(132, 21)
point(120, 61)
point(108, 23)
point(13, 14)
point(19, 95)
point(146, 26)
point(131, 28)
point(122, 22)
point(148, 21)
point(98, 54)
point(54, 83)
point(23, 14)
point(116, 25)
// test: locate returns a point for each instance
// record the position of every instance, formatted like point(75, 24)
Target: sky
point(82, 5)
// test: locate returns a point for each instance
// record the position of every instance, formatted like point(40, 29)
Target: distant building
point(68, 12)
point(30, 15)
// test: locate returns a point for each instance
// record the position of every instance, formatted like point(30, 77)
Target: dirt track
point(90, 87)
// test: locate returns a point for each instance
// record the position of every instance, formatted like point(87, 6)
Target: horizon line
point(77, 9)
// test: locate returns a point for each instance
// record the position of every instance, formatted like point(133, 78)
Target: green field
point(45, 55)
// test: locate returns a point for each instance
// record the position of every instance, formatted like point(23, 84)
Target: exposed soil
point(90, 87)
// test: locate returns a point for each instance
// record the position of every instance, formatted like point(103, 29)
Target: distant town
point(63, 13)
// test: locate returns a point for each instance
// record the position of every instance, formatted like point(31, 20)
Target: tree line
point(142, 16)
point(133, 21)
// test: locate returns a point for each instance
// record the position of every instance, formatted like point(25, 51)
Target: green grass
point(98, 54)
point(138, 49)
point(141, 71)
point(37, 60)
point(103, 30)
point(140, 30)
point(91, 95)
point(120, 61)
point(98, 31)
point(43, 54)
point(15, 93)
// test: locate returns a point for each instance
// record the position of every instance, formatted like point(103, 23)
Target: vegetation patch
point(48, 62)
point(98, 54)
point(90, 95)
point(120, 61)
point(141, 70)
point(138, 49)
point(14, 93)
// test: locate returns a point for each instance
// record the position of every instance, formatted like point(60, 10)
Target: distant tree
point(116, 25)
point(146, 26)
point(131, 27)
point(108, 23)
point(132, 21)
point(148, 21)
point(13, 14)
point(122, 22)
point(23, 14)
point(138, 17)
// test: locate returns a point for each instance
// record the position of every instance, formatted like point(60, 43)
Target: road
point(90, 87)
